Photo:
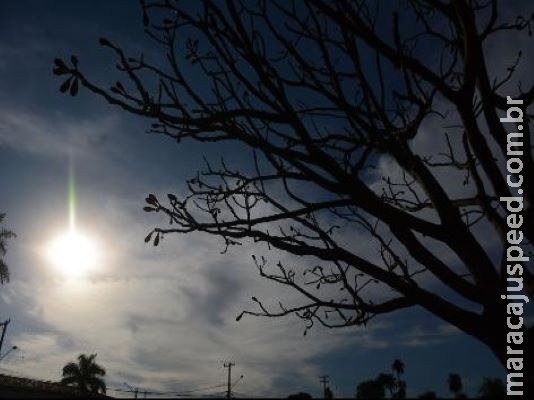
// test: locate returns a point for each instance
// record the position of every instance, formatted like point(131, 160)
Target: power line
point(237, 381)
point(187, 392)
point(171, 392)
point(133, 390)
point(201, 389)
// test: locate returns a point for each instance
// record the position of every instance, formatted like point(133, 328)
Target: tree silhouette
point(300, 396)
point(336, 101)
point(455, 385)
point(371, 389)
point(4, 236)
point(428, 395)
point(400, 392)
point(387, 381)
point(398, 368)
point(492, 388)
point(328, 393)
point(86, 374)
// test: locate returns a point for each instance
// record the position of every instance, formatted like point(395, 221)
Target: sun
point(73, 253)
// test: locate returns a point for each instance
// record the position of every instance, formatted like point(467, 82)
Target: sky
point(159, 318)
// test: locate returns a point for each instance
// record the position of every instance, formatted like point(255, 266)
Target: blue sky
point(159, 318)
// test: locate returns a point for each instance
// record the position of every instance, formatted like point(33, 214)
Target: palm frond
point(4, 272)
point(95, 369)
point(85, 374)
point(71, 369)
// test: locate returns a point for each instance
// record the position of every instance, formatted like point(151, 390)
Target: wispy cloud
point(163, 317)
point(60, 135)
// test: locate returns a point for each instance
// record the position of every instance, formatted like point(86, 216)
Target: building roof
point(48, 387)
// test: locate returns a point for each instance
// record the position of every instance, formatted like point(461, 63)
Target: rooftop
point(45, 387)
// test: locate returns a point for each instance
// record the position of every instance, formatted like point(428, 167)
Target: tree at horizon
point(400, 392)
point(387, 381)
point(300, 396)
point(398, 369)
point(428, 395)
point(370, 389)
point(492, 388)
point(85, 374)
point(454, 382)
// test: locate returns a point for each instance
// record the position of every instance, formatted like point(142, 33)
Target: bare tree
point(325, 94)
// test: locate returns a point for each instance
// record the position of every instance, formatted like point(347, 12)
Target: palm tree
point(86, 375)
point(4, 235)
point(387, 381)
point(397, 367)
point(400, 393)
point(492, 388)
point(455, 384)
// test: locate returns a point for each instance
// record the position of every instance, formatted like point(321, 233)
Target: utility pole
point(4, 328)
point(324, 380)
point(229, 391)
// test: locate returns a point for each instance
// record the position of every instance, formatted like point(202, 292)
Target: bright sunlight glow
point(73, 254)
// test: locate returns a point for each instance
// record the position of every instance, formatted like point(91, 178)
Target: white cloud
point(60, 135)
point(163, 317)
